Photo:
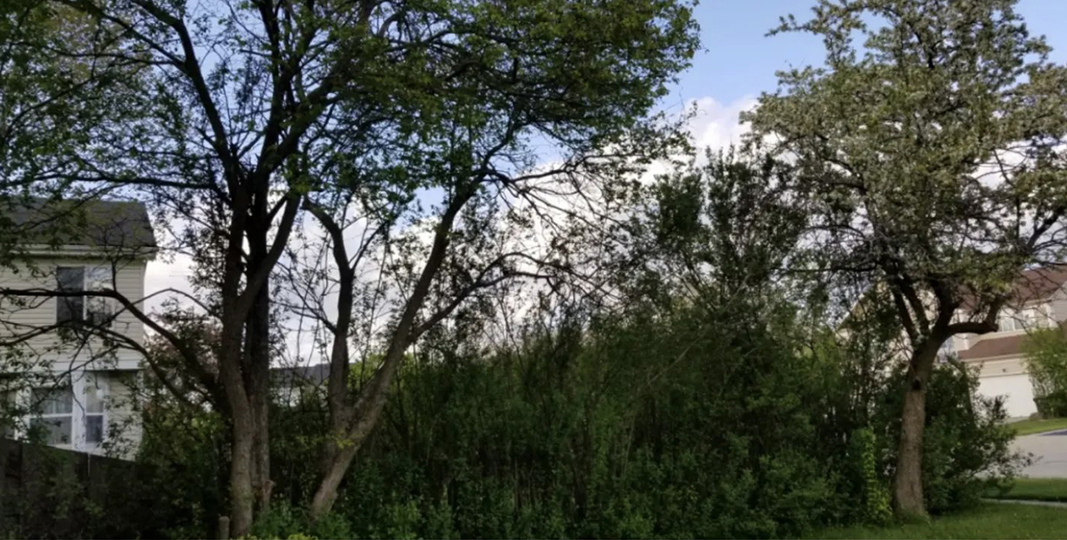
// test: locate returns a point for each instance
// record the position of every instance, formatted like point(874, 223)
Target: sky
point(736, 63)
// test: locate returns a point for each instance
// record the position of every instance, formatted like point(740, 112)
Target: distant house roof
point(994, 347)
point(1033, 285)
point(999, 346)
point(1040, 283)
point(289, 376)
point(92, 223)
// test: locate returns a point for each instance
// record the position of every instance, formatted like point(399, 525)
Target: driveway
point(1049, 451)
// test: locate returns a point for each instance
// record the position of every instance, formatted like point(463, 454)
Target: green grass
point(992, 520)
point(1029, 427)
point(1035, 489)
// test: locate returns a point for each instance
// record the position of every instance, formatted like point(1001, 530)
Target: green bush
point(691, 423)
point(967, 443)
point(1046, 358)
point(635, 428)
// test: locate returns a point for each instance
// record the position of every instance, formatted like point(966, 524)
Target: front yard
point(1029, 427)
point(1035, 489)
point(990, 520)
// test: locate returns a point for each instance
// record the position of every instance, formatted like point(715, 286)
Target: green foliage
point(705, 404)
point(286, 522)
point(1046, 360)
point(639, 428)
point(875, 491)
point(182, 471)
point(967, 443)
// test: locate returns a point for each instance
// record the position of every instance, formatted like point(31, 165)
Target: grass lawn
point(1029, 427)
point(991, 520)
point(1037, 489)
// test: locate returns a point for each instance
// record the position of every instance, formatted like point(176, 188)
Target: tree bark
point(367, 410)
point(258, 344)
point(257, 351)
point(242, 497)
point(908, 484)
point(242, 426)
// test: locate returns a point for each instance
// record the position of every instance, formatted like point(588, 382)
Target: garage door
point(1017, 390)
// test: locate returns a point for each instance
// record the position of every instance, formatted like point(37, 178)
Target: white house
point(68, 361)
point(1040, 301)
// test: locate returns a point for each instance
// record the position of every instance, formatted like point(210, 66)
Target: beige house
point(1041, 302)
point(68, 360)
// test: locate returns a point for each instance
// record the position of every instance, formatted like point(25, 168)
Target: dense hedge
point(689, 423)
point(697, 425)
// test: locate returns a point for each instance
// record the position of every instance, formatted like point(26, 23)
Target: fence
point(49, 492)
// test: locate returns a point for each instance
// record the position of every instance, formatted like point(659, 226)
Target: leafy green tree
point(929, 148)
point(230, 118)
point(721, 227)
point(1046, 360)
point(522, 76)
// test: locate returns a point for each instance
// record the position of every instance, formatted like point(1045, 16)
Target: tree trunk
point(358, 420)
point(242, 498)
point(334, 473)
point(368, 409)
point(257, 352)
point(908, 484)
point(258, 344)
point(337, 386)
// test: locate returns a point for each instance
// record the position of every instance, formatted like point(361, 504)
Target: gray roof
point(313, 375)
point(91, 223)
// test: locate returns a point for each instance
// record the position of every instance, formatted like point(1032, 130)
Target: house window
point(55, 416)
point(95, 398)
point(1034, 318)
point(1005, 322)
point(93, 310)
point(7, 414)
point(70, 309)
point(98, 310)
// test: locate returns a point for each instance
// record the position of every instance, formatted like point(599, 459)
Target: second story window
point(93, 310)
point(98, 310)
point(1033, 318)
point(70, 308)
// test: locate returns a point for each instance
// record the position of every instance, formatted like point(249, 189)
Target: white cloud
point(713, 126)
point(170, 272)
point(717, 125)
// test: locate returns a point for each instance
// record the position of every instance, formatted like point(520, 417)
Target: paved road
point(1050, 454)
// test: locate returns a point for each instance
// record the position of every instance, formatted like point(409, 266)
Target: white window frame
point(81, 383)
point(98, 383)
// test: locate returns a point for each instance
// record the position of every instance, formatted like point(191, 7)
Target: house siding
point(17, 316)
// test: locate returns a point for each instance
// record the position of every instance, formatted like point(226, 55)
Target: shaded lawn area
point(1035, 489)
point(1029, 427)
point(990, 520)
